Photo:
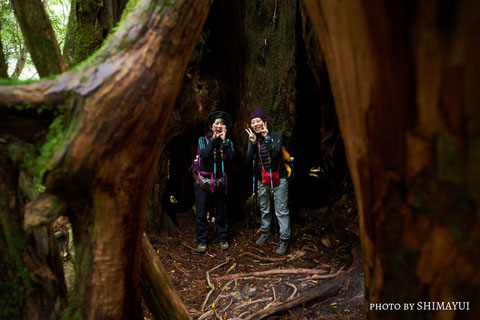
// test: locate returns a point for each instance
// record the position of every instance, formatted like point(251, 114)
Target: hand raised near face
point(223, 133)
point(264, 130)
point(251, 135)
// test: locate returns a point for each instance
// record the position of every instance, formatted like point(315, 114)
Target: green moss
point(271, 84)
point(40, 159)
point(15, 81)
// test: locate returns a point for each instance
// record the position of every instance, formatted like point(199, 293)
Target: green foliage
point(12, 37)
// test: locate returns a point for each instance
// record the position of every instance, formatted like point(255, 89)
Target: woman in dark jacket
point(266, 148)
point(215, 152)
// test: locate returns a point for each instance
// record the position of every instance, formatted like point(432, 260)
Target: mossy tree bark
point(405, 80)
point(89, 24)
point(3, 63)
point(39, 37)
point(102, 151)
point(271, 74)
point(32, 285)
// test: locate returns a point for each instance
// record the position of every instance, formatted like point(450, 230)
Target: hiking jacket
point(207, 154)
point(272, 148)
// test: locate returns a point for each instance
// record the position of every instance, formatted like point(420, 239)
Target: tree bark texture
point(39, 37)
point(22, 59)
point(89, 24)
point(3, 63)
point(119, 105)
point(405, 80)
point(32, 285)
point(160, 295)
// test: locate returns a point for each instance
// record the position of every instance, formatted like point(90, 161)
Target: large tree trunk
point(32, 276)
point(89, 24)
point(39, 37)
point(3, 63)
point(119, 106)
point(405, 79)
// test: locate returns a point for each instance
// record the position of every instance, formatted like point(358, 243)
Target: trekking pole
point(254, 202)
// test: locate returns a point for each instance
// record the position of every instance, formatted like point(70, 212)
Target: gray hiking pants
point(280, 197)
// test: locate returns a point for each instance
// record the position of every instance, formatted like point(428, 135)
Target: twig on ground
point(221, 290)
point(206, 299)
point(221, 264)
point(178, 267)
point(327, 276)
point(331, 288)
point(186, 245)
point(294, 291)
point(243, 254)
point(252, 302)
point(212, 287)
point(206, 315)
point(209, 282)
point(274, 271)
point(231, 268)
point(226, 308)
point(274, 294)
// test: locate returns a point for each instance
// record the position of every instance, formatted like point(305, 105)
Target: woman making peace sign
point(266, 148)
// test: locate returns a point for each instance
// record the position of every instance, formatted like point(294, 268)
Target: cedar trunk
point(3, 63)
point(89, 23)
point(115, 111)
point(39, 37)
point(405, 80)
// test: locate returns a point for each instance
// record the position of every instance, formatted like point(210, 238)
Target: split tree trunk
point(119, 106)
point(405, 79)
point(39, 37)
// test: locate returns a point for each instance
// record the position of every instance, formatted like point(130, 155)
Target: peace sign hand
point(251, 135)
point(264, 130)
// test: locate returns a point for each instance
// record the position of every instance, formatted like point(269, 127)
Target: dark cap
point(258, 113)
point(216, 115)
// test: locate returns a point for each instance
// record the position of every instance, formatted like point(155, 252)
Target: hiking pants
point(280, 199)
point(203, 198)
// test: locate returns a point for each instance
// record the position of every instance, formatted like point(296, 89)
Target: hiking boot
point(201, 248)
point(223, 245)
point(282, 247)
point(263, 238)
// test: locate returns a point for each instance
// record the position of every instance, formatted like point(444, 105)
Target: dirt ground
point(240, 282)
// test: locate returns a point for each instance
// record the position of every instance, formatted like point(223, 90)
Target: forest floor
point(321, 277)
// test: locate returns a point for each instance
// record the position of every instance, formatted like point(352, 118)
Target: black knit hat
point(218, 114)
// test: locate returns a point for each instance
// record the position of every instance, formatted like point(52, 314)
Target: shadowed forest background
point(378, 102)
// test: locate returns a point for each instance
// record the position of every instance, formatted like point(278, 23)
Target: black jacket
point(268, 148)
point(207, 154)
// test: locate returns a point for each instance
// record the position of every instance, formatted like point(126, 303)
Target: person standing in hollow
point(215, 152)
point(266, 148)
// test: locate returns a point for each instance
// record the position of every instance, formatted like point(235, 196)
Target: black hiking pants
point(203, 200)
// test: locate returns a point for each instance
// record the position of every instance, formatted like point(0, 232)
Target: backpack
point(198, 160)
point(288, 162)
